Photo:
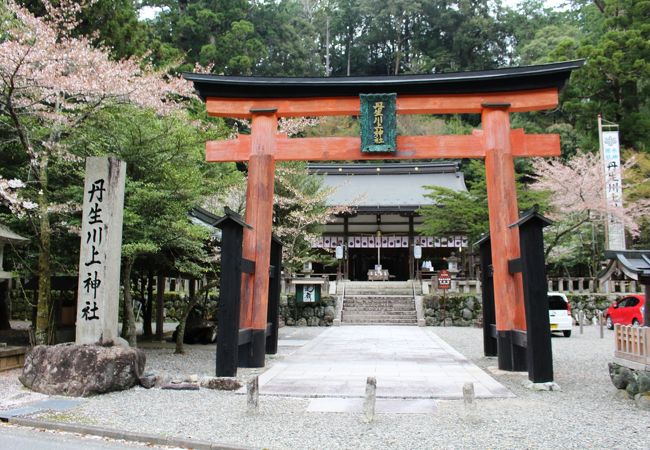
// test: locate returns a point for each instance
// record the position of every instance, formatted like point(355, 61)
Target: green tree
point(615, 79)
point(290, 39)
point(51, 83)
point(166, 177)
point(217, 32)
point(467, 212)
point(113, 24)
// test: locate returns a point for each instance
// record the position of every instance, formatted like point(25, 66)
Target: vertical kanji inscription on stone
point(99, 258)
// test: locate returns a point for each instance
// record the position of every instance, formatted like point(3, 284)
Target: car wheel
point(567, 333)
point(635, 323)
point(610, 324)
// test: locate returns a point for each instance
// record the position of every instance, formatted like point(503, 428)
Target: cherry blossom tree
point(300, 211)
point(50, 84)
point(577, 196)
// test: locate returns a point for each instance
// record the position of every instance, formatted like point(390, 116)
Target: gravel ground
point(587, 413)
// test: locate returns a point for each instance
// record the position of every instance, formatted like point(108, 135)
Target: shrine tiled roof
point(392, 187)
point(6, 235)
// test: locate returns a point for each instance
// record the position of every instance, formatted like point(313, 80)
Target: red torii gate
point(493, 94)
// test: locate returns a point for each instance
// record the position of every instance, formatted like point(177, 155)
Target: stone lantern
point(6, 237)
point(452, 264)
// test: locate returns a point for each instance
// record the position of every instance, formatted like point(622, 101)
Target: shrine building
point(381, 222)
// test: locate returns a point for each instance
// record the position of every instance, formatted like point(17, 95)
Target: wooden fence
point(632, 345)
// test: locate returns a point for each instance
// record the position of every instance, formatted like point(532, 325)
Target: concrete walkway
point(408, 362)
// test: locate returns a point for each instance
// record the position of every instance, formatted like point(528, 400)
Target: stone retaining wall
point(318, 314)
point(466, 310)
point(590, 304)
point(455, 310)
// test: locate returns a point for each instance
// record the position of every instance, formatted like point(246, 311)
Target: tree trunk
point(44, 329)
point(128, 318)
point(160, 306)
point(194, 298)
point(180, 335)
point(148, 307)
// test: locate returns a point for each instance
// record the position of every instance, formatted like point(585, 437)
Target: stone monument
point(99, 258)
point(94, 364)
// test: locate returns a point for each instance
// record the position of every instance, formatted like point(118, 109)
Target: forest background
point(45, 134)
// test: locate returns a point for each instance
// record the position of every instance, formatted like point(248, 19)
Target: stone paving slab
point(51, 404)
point(382, 406)
point(408, 362)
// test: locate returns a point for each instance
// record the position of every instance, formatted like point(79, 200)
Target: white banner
point(613, 189)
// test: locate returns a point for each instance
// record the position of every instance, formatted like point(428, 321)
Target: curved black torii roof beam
point(521, 78)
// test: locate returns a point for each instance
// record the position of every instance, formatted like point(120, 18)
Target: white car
point(559, 313)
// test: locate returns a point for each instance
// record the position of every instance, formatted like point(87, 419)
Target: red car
point(626, 311)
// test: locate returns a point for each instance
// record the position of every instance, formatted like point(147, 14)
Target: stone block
point(221, 383)
point(620, 376)
point(148, 380)
point(643, 401)
point(82, 370)
point(643, 382)
point(632, 388)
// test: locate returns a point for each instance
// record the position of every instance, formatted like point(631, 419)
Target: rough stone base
point(631, 384)
point(548, 386)
point(221, 383)
point(82, 370)
point(633, 381)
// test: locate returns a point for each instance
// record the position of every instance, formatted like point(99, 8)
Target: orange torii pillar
point(503, 211)
point(257, 241)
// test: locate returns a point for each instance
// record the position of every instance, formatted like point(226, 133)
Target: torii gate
point(493, 94)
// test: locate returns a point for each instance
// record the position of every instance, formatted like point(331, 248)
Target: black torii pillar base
point(251, 349)
point(487, 296)
point(243, 347)
point(229, 295)
point(511, 347)
point(501, 343)
point(519, 350)
point(532, 265)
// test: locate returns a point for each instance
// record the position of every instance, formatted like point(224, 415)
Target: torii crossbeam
point(493, 94)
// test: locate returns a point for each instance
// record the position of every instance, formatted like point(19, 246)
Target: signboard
point(444, 280)
point(308, 293)
point(615, 234)
point(378, 123)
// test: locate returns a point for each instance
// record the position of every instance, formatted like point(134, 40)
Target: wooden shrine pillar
point(346, 247)
point(411, 247)
point(502, 205)
point(259, 215)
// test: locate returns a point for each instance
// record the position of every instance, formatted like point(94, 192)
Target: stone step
point(378, 294)
point(383, 300)
point(384, 305)
point(380, 322)
point(378, 312)
point(362, 324)
point(400, 308)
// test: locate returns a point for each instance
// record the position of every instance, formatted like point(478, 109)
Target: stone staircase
point(378, 303)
